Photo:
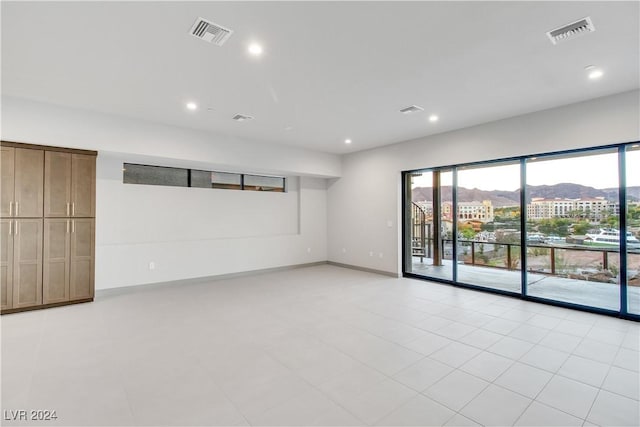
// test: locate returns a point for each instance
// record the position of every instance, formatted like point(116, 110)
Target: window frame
point(220, 186)
point(522, 160)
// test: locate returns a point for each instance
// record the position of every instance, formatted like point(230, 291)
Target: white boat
point(611, 237)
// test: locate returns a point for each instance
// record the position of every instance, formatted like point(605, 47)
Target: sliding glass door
point(430, 228)
point(559, 227)
point(573, 252)
point(632, 179)
point(489, 235)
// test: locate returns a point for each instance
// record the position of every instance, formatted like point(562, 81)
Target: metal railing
point(479, 255)
point(419, 247)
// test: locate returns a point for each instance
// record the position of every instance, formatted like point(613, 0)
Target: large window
point(431, 236)
point(632, 188)
point(489, 225)
point(155, 175)
point(562, 228)
point(572, 228)
point(179, 177)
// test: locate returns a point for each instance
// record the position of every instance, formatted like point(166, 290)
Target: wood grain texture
point(56, 263)
point(57, 184)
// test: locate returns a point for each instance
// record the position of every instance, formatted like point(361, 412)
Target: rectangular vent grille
point(411, 109)
point(570, 31)
point(210, 32)
point(241, 118)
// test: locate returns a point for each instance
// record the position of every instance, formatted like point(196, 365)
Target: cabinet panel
point(83, 184)
point(29, 183)
point(7, 185)
point(47, 230)
point(27, 263)
point(82, 258)
point(6, 264)
point(57, 184)
point(56, 268)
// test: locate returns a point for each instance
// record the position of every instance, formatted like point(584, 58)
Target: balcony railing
point(584, 263)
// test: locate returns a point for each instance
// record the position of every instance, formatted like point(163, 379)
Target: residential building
point(591, 208)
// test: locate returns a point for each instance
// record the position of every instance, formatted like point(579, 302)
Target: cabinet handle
point(67, 226)
point(17, 228)
point(73, 225)
point(73, 209)
point(10, 228)
point(68, 210)
point(10, 208)
point(17, 208)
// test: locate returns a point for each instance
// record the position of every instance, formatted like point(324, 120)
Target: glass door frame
point(622, 227)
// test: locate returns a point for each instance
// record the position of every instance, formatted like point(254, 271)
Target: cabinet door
point(55, 269)
point(27, 263)
point(6, 263)
point(7, 170)
point(57, 184)
point(82, 258)
point(29, 183)
point(83, 184)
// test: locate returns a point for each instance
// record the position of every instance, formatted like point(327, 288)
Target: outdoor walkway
point(594, 294)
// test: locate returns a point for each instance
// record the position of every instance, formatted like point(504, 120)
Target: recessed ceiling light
point(433, 118)
point(593, 72)
point(288, 128)
point(255, 49)
point(347, 141)
point(192, 106)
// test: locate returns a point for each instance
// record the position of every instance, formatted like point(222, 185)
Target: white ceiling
point(330, 70)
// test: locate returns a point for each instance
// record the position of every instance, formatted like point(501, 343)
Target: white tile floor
point(319, 346)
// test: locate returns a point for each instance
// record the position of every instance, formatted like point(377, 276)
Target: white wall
point(367, 197)
point(186, 232)
point(198, 232)
point(182, 230)
point(39, 123)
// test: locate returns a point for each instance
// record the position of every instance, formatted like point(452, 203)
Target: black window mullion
point(523, 227)
point(454, 224)
point(622, 223)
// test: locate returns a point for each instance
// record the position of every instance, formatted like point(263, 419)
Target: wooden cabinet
point(6, 263)
point(47, 226)
point(57, 239)
point(21, 262)
point(69, 253)
point(7, 185)
point(22, 182)
point(57, 188)
point(82, 257)
point(69, 185)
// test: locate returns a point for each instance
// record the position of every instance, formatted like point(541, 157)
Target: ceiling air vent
point(210, 32)
point(241, 118)
point(571, 31)
point(411, 109)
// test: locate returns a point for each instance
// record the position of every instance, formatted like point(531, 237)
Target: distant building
point(427, 207)
point(476, 211)
point(591, 208)
point(467, 211)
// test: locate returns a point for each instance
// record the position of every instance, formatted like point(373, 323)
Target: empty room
point(297, 213)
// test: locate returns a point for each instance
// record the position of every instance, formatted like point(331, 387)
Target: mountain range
point(501, 198)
